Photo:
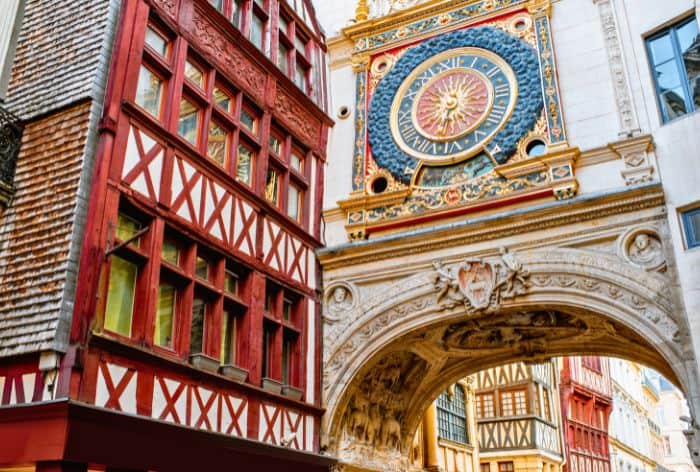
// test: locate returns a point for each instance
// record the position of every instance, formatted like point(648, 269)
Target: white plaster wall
point(584, 75)
point(334, 14)
point(338, 183)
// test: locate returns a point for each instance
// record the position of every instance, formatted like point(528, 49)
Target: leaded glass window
point(452, 416)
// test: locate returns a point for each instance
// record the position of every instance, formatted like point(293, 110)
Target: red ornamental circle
point(452, 104)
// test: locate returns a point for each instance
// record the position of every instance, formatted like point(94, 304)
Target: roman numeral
point(495, 70)
point(408, 132)
point(404, 117)
point(450, 63)
point(478, 134)
point(496, 114)
point(473, 64)
point(502, 90)
point(453, 147)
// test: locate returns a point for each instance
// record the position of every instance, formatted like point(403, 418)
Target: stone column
point(430, 435)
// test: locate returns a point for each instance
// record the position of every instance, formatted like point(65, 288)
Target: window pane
point(149, 92)
point(667, 76)
point(231, 282)
point(236, 13)
point(194, 73)
point(293, 203)
point(170, 252)
point(287, 309)
point(690, 46)
point(287, 347)
point(271, 186)
point(127, 228)
point(300, 44)
point(296, 161)
point(248, 121)
point(157, 42)
point(267, 344)
point(275, 145)
point(217, 145)
point(197, 330)
point(661, 49)
point(201, 268)
point(222, 99)
point(120, 296)
point(188, 123)
point(284, 24)
point(282, 58)
point(691, 221)
point(257, 29)
point(165, 314)
point(673, 103)
point(687, 35)
point(228, 338)
point(244, 165)
point(300, 77)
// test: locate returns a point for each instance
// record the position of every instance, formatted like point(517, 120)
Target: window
point(484, 405)
point(546, 405)
point(485, 467)
point(673, 56)
point(156, 41)
point(452, 416)
point(217, 143)
point(149, 91)
point(199, 312)
point(592, 363)
point(287, 176)
point(188, 122)
point(120, 296)
point(691, 227)
point(123, 275)
point(244, 165)
point(272, 186)
point(229, 330)
point(165, 316)
point(513, 402)
point(505, 467)
point(283, 322)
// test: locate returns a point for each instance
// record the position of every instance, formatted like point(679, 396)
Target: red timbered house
point(586, 403)
point(185, 331)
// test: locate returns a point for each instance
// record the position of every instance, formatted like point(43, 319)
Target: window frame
point(677, 58)
point(452, 416)
point(692, 240)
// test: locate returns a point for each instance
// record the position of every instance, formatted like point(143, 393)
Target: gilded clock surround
point(415, 191)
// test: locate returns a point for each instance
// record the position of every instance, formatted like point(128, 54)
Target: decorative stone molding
point(392, 350)
point(629, 125)
point(637, 154)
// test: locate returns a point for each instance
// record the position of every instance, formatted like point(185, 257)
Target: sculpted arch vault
point(392, 353)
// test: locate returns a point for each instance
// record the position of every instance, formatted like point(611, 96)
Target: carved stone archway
point(391, 354)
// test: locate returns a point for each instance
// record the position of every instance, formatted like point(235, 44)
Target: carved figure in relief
point(338, 303)
point(645, 250)
point(515, 272)
point(391, 433)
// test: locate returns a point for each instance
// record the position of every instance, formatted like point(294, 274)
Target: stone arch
point(394, 352)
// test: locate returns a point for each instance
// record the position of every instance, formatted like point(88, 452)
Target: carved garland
point(228, 56)
point(295, 116)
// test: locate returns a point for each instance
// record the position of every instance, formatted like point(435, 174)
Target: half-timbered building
point(586, 404)
point(157, 271)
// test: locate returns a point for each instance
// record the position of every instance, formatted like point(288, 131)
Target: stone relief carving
point(629, 125)
point(526, 333)
point(340, 299)
point(643, 248)
point(376, 407)
point(480, 285)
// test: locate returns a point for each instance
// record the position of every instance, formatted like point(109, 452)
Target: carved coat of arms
point(477, 280)
point(481, 285)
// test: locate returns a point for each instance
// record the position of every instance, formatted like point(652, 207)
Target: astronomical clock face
point(449, 107)
point(455, 104)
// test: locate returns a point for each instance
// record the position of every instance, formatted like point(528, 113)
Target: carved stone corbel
point(637, 155)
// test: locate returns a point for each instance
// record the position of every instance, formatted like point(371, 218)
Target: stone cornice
point(614, 442)
point(546, 215)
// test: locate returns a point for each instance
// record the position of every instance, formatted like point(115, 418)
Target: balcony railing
point(10, 139)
